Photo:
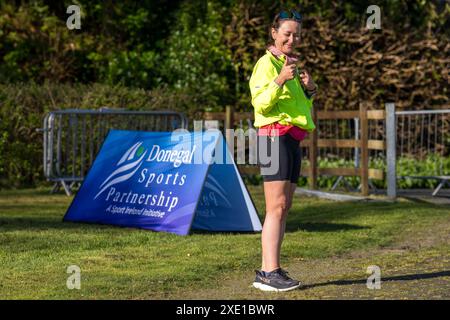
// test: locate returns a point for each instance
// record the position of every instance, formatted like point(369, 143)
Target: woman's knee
point(279, 208)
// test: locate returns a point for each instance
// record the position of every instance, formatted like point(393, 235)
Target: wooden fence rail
point(313, 143)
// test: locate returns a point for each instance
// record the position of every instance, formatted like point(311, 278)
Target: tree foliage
point(210, 47)
point(196, 55)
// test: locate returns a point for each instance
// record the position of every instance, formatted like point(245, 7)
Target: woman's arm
point(265, 94)
point(308, 84)
point(266, 86)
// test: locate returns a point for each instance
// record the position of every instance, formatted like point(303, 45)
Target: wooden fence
point(313, 143)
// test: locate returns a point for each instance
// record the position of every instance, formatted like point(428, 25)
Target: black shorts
point(289, 158)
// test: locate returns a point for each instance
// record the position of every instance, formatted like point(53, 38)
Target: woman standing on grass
point(282, 98)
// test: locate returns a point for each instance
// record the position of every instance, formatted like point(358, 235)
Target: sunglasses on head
point(292, 14)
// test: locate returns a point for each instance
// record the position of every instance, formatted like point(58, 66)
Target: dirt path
point(417, 266)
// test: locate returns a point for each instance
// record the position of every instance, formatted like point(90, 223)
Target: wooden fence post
point(313, 148)
point(229, 117)
point(364, 166)
point(229, 125)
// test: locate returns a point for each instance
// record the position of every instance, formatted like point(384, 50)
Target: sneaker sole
point(265, 287)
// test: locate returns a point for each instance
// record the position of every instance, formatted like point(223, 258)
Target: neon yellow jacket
point(286, 105)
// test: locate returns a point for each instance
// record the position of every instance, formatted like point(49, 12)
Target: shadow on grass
point(309, 227)
point(208, 232)
point(32, 192)
point(408, 277)
point(320, 217)
point(310, 218)
point(322, 227)
point(39, 223)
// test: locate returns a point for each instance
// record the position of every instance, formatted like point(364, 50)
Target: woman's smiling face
point(287, 36)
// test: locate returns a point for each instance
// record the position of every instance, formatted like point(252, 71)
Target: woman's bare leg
point(291, 196)
point(277, 195)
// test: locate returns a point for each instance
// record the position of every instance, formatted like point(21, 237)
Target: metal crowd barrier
point(73, 137)
point(422, 134)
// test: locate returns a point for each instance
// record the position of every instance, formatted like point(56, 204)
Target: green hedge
point(23, 106)
point(210, 47)
point(22, 110)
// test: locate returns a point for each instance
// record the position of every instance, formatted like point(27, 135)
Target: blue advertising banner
point(165, 181)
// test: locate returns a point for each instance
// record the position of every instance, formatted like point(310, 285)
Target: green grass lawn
point(36, 247)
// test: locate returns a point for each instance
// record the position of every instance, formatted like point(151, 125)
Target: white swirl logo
point(127, 167)
point(214, 185)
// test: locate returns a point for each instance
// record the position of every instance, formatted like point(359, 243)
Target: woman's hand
point(307, 80)
point(288, 72)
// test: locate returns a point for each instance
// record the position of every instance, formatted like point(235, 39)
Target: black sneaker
point(276, 280)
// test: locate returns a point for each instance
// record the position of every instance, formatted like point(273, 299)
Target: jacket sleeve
point(265, 91)
point(310, 94)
